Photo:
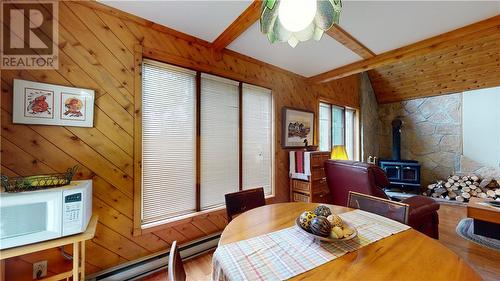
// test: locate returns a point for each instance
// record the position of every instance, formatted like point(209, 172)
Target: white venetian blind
point(349, 133)
point(257, 143)
point(219, 140)
point(325, 127)
point(168, 141)
point(338, 116)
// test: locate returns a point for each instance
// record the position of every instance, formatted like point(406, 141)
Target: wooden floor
point(199, 268)
point(485, 261)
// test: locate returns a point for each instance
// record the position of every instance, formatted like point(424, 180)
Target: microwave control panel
point(72, 213)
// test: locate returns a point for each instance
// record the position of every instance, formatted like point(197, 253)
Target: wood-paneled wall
point(471, 64)
point(96, 48)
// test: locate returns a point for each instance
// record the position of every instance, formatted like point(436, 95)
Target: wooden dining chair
point(242, 201)
point(390, 209)
point(176, 270)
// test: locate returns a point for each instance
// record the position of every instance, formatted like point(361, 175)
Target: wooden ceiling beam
point(346, 39)
point(413, 50)
point(238, 26)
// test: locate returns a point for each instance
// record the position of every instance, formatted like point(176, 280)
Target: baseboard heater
point(139, 268)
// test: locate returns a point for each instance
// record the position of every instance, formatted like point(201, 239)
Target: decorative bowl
point(328, 239)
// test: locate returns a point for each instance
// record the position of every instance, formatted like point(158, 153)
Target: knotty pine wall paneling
point(96, 49)
point(471, 64)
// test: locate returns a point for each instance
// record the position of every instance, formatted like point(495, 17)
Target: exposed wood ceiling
point(464, 58)
point(467, 64)
point(367, 28)
point(414, 50)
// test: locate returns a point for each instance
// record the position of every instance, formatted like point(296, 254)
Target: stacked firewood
point(462, 188)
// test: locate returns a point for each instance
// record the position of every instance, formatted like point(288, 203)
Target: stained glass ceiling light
point(295, 21)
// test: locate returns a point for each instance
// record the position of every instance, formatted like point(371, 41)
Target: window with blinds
point(219, 120)
point(168, 141)
point(257, 140)
point(350, 133)
point(338, 126)
point(178, 146)
point(325, 127)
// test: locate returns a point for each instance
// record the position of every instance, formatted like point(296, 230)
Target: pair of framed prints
point(48, 104)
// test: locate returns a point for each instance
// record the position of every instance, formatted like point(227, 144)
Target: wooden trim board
point(238, 26)
point(138, 49)
point(346, 39)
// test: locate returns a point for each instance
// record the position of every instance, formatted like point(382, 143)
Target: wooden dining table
point(408, 255)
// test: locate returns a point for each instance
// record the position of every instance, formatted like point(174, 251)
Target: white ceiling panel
point(202, 19)
point(386, 25)
point(307, 58)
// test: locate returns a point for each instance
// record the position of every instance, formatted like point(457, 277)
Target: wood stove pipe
point(396, 139)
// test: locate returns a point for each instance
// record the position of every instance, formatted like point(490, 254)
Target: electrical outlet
point(39, 269)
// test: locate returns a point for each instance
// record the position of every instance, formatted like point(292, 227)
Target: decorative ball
point(322, 211)
point(338, 231)
point(320, 226)
point(333, 234)
point(305, 219)
point(335, 220)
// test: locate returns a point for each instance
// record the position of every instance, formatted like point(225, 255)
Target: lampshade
point(339, 153)
point(295, 21)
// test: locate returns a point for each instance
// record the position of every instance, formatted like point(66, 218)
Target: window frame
point(357, 132)
point(140, 54)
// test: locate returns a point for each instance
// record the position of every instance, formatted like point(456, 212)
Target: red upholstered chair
point(344, 176)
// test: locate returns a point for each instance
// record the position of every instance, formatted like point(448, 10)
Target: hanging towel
point(300, 165)
point(299, 162)
point(307, 163)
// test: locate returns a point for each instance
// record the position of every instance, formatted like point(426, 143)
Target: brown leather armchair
point(344, 176)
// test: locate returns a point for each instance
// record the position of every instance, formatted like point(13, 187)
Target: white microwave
point(34, 216)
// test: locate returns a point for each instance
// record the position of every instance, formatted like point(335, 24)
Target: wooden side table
point(78, 241)
point(486, 218)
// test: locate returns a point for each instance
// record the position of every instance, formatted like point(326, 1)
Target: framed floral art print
point(48, 104)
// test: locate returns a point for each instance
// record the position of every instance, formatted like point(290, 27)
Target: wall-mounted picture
point(38, 103)
point(49, 104)
point(73, 106)
point(297, 128)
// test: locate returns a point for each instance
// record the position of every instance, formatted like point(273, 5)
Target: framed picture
point(48, 104)
point(297, 128)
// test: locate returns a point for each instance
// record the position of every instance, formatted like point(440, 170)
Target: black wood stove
point(404, 175)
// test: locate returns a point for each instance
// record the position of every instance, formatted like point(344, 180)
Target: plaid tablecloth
point(289, 252)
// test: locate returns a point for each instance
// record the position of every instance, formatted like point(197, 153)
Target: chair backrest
point(241, 201)
point(176, 270)
point(343, 176)
point(390, 209)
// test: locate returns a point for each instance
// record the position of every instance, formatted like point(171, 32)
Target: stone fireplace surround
point(432, 134)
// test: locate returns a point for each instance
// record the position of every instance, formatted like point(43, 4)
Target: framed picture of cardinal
point(48, 104)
